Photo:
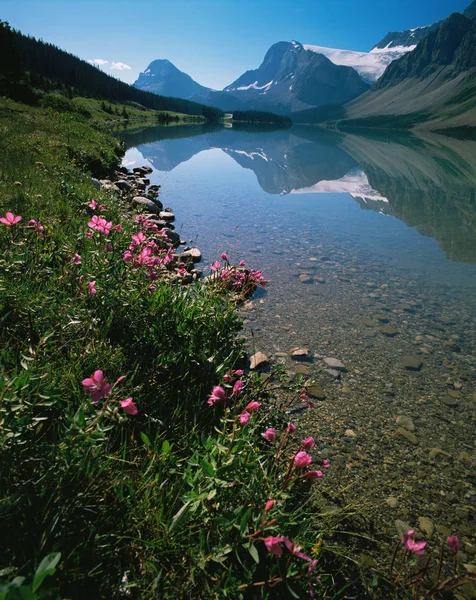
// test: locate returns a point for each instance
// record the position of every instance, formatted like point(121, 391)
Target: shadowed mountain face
point(428, 182)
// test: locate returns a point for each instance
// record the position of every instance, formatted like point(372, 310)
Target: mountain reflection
point(429, 181)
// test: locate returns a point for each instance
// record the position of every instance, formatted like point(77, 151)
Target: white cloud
point(120, 66)
point(98, 61)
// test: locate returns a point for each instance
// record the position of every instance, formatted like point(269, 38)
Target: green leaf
point(292, 592)
point(145, 439)
point(46, 567)
point(178, 515)
point(254, 552)
point(207, 468)
point(244, 521)
point(166, 447)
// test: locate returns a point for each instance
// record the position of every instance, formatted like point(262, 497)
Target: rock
point(462, 513)
point(410, 437)
point(406, 423)
point(345, 389)
point(402, 527)
point(392, 502)
point(258, 360)
point(194, 253)
point(435, 452)
point(156, 201)
point(369, 322)
point(350, 433)
point(333, 373)
point(300, 354)
point(142, 202)
point(453, 393)
point(426, 526)
point(315, 391)
point(144, 170)
point(320, 280)
point(301, 369)
point(389, 330)
point(470, 548)
point(449, 401)
point(412, 363)
point(173, 236)
point(124, 185)
point(95, 182)
point(445, 531)
point(305, 279)
point(381, 318)
point(166, 216)
point(334, 363)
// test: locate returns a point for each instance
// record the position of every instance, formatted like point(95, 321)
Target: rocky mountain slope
point(163, 78)
point(434, 85)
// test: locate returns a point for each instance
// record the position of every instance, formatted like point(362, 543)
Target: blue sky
point(214, 41)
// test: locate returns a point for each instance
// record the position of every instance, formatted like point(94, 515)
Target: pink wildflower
point(252, 406)
point(92, 288)
point(295, 549)
point(410, 544)
point(313, 474)
point(269, 434)
point(227, 378)
point(238, 387)
point(303, 396)
point(242, 263)
point(272, 544)
point(129, 407)
point(308, 443)
point(97, 386)
point(326, 464)
point(77, 259)
point(245, 417)
point(215, 266)
point(127, 256)
point(152, 289)
point(454, 544)
point(93, 204)
point(238, 372)
point(117, 228)
point(9, 219)
point(218, 395)
point(269, 505)
point(89, 234)
point(108, 247)
point(224, 256)
point(302, 460)
point(291, 427)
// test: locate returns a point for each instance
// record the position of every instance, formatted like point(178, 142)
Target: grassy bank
point(153, 486)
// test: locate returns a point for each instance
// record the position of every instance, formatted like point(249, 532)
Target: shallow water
point(383, 232)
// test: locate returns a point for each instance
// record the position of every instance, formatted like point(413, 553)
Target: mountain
point(162, 77)
point(434, 84)
point(408, 39)
point(470, 11)
point(370, 65)
point(31, 67)
point(291, 78)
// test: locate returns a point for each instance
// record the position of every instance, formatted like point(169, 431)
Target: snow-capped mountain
point(291, 78)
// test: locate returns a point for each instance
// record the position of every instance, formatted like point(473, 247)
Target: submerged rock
point(258, 360)
point(412, 363)
point(335, 363)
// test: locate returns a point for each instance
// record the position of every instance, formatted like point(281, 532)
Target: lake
point(369, 243)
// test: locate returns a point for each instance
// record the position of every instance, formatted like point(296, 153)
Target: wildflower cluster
point(289, 463)
point(415, 576)
point(240, 279)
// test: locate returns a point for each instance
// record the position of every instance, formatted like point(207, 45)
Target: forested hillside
point(30, 67)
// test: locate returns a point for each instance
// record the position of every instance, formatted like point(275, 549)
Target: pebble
point(300, 354)
point(402, 527)
point(389, 330)
point(334, 363)
point(315, 391)
point(426, 526)
point(392, 502)
point(305, 279)
point(301, 370)
point(449, 401)
point(350, 433)
point(258, 360)
point(412, 363)
point(408, 435)
point(406, 422)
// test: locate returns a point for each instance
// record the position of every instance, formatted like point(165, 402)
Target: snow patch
point(255, 86)
point(355, 183)
point(369, 65)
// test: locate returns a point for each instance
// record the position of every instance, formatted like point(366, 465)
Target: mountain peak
point(162, 77)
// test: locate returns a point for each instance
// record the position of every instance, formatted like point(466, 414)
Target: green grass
point(167, 503)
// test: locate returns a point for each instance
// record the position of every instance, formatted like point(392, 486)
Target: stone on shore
point(142, 202)
point(258, 360)
point(194, 253)
point(412, 363)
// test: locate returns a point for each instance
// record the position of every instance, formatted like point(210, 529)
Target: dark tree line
point(29, 66)
point(258, 116)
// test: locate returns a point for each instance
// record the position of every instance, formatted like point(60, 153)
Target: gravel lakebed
point(396, 417)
